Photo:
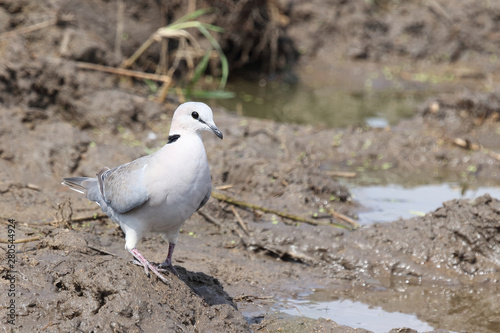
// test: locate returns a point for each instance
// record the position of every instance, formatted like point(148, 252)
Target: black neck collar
point(172, 138)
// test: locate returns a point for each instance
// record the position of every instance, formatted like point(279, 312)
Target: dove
point(158, 192)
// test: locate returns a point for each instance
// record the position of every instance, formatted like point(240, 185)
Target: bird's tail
point(90, 188)
point(80, 184)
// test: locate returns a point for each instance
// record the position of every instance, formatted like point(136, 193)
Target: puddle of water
point(325, 105)
point(423, 308)
point(389, 203)
point(357, 315)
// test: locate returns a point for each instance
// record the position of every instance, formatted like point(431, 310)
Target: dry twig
point(120, 18)
point(240, 221)
point(344, 218)
point(210, 218)
point(83, 218)
point(125, 72)
point(466, 144)
point(224, 187)
point(225, 198)
point(28, 29)
point(101, 251)
point(22, 240)
point(72, 220)
point(213, 220)
point(37, 26)
point(341, 174)
point(251, 298)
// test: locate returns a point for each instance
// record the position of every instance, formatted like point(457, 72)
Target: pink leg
point(147, 265)
point(168, 262)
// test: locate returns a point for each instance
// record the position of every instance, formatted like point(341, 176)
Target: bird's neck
point(186, 149)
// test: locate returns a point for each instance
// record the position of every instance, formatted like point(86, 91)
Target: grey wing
point(123, 187)
point(205, 199)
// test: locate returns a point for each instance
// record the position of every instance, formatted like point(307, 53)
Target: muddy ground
point(72, 272)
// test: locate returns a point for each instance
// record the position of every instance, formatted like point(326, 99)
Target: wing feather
point(123, 187)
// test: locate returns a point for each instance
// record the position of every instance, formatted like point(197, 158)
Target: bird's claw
point(140, 260)
point(164, 267)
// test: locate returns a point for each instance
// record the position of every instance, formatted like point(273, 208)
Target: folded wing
point(123, 188)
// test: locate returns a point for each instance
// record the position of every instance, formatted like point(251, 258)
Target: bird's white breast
point(177, 179)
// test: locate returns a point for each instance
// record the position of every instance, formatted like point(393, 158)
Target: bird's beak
point(216, 131)
point(213, 128)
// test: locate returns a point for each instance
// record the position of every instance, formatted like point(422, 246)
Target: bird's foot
point(140, 260)
point(137, 262)
point(167, 265)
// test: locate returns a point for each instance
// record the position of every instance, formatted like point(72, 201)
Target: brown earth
point(75, 275)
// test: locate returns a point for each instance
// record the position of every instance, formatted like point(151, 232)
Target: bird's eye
point(195, 115)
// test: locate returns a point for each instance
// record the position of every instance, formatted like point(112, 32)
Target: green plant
point(189, 49)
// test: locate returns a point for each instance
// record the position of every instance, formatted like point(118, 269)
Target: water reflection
point(463, 309)
point(391, 202)
point(357, 315)
point(326, 105)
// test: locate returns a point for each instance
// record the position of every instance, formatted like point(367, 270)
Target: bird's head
point(194, 117)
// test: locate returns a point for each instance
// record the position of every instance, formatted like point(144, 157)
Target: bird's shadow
point(205, 286)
